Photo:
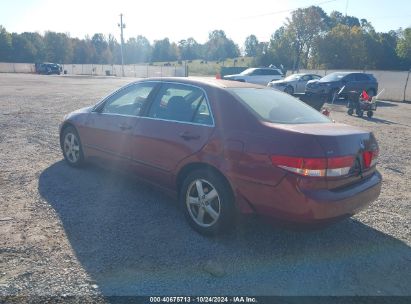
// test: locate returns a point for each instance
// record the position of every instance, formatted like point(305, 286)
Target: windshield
point(247, 72)
point(277, 107)
point(293, 77)
point(333, 77)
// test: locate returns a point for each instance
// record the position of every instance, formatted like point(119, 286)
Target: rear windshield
point(278, 107)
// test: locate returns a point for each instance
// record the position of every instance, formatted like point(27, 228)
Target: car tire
point(289, 90)
point(71, 147)
point(207, 202)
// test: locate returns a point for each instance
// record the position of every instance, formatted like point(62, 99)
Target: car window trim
point(158, 89)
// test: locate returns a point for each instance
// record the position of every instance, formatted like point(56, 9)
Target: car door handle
point(124, 127)
point(189, 136)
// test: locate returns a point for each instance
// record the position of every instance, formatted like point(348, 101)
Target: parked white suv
point(257, 75)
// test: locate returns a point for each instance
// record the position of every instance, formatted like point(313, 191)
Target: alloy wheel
point(203, 203)
point(71, 147)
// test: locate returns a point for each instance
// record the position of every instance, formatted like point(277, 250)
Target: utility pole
point(346, 7)
point(122, 26)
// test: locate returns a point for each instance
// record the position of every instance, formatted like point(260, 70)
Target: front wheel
point(360, 113)
point(71, 146)
point(289, 90)
point(207, 202)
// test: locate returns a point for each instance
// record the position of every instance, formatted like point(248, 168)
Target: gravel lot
point(66, 231)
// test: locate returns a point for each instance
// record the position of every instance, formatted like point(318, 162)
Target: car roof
point(346, 73)
point(206, 81)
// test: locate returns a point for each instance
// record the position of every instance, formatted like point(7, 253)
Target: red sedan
point(224, 147)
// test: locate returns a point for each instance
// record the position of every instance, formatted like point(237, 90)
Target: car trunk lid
point(339, 153)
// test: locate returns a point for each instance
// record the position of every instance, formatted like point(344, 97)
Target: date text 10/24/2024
point(205, 299)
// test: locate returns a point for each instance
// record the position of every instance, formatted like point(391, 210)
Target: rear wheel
point(350, 111)
point(71, 146)
point(370, 114)
point(207, 202)
point(289, 90)
point(360, 113)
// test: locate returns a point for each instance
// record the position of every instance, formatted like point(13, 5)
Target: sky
point(181, 19)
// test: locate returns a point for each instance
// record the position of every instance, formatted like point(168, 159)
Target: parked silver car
point(294, 83)
point(257, 75)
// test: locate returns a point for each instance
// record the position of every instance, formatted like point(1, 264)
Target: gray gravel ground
point(66, 231)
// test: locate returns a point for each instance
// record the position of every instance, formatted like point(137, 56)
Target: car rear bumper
point(287, 202)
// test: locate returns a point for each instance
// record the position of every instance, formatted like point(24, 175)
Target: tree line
point(310, 38)
point(99, 49)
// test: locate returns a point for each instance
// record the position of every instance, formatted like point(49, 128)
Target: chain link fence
point(138, 71)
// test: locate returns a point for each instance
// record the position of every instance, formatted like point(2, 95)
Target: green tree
point(251, 46)
point(37, 41)
point(280, 50)
point(5, 45)
point(137, 50)
point(58, 47)
point(305, 26)
point(404, 48)
point(338, 18)
point(103, 53)
point(189, 49)
point(163, 50)
point(342, 48)
point(219, 47)
point(23, 49)
point(115, 49)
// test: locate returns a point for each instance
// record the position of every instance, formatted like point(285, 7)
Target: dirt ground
point(87, 232)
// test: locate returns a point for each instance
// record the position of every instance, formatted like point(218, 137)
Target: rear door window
point(257, 72)
point(361, 77)
point(271, 72)
point(277, 107)
point(349, 78)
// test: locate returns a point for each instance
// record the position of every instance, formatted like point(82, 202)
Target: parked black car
point(329, 85)
point(48, 68)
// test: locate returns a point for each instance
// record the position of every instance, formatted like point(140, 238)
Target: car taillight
point(370, 158)
point(321, 167)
